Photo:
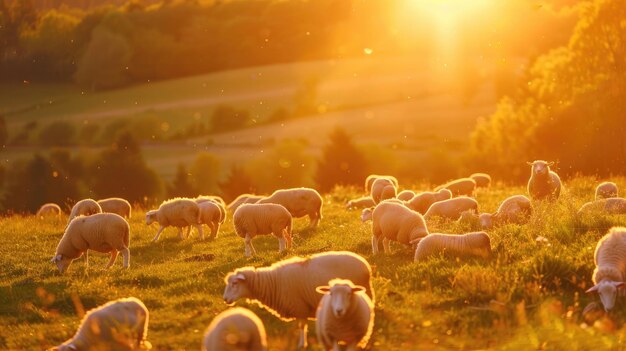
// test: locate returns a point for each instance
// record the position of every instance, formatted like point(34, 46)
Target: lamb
point(177, 212)
point(613, 205)
point(49, 209)
point(299, 202)
point(251, 220)
point(287, 288)
point(116, 205)
point(610, 260)
point(393, 221)
point(85, 207)
point(236, 329)
point(203, 198)
point(372, 177)
point(466, 245)
point(382, 189)
point(459, 187)
point(361, 202)
point(483, 180)
point(213, 215)
point(243, 199)
point(117, 325)
point(405, 195)
point(514, 209)
point(543, 183)
point(606, 190)
point(452, 208)
point(422, 201)
point(101, 232)
point(345, 315)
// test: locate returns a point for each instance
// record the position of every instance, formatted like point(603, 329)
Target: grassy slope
point(520, 300)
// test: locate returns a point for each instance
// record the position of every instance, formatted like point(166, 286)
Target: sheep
point(606, 190)
point(213, 215)
point(345, 315)
point(120, 324)
point(483, 180)
point(514, 209)
point(459, 187)
point(610, 271)
point(382, 189)
point(251, 220)
point(203, 198)
point(101, 232)
point(299, 202)
point(614, 205)
point(287, 288)
point(543, 183)
point(422, 201)
point(405, 195)
point(244, 199)
point(393, 221)
point(466, 245)
point(177, 212)
point(451, 208)
point(49, 209)
point(116, 205)
point(85, 207)
point(236, 329)
point(372, 177)
point(361, 202)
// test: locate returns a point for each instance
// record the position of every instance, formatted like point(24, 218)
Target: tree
point(205, 173)
point(341, 163)
point(181, 185)
point(226, 118)
point(238, 182)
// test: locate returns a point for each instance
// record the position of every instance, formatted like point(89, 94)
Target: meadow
point(530, 295)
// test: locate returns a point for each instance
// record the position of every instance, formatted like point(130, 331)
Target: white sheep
point(483, 180)
point(299, 202)
point(178, 213)
point(213, 215)
point(236, 329)
point(116, 205)
point(393, 221)
point(251, 220)
point(422, 201)
point(287, 288)
point(85, 207)
point(610, 272)
point(361, 202)
point(372, 177)
point(345, 315)
point(613, 205)
point(456, 245)
point(214, 198)
point(451, 208)
point(514, 209)
point(405, 195)
point(49, 209)
point(606, 190)
point(243, 199)
point(459, 187)
point(117, 325)
point(101, 232)
point(543, 183)
point(382, 189)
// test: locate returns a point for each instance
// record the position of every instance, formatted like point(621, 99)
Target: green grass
point(529, 296)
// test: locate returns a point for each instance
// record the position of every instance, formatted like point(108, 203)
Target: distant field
point(530, 296)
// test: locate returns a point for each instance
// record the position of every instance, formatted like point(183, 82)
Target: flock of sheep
point(334, 288)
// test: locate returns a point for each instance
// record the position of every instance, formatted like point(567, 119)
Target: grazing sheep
point(382, 189)
point(459, 187)
point(483, 180)
point(243, 199)
point(117, 325)
point(213, 215)
point(85, 207)
point(49, 209)
point(514, 209)
point(345, 315)
point(204, 198)
point(543, 183)
point(614, 205)
point(405, 195)
point(101, 232)
point(451, 208)
point(372, 177)
point(251, 220)
point(422, 201)
point(393, 221)
point(362, 202)
point(606, 190)
point(287, 288)
point(610, 260)
point(299, 202)
point(236, 329)
point(178, 213)
point(116, 205)
point(455, 245)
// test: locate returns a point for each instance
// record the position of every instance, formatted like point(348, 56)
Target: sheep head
point(62, 263)
point(607, 290)
point(366, 214)
point(341, 292)
point(236, 288)
point(540, 167)
point(150, 217)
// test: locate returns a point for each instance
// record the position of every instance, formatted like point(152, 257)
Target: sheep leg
point(215, 226)
point(249, 248)
point(287, 235)
point(86, 258)
point(200, 232)
point(112, 259)
point(386, 245)
point(126, 255)
point(374, 245)
point(314, 219)
point(156, 237)
point(281, 244)
point(302, 325)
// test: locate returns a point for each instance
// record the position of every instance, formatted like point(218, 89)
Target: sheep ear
point(322, 289)
point(240, 276)
point(619, 284)
point(72, 347)
point(550, 164)
point(56, 258)
point(358, 288)
point(415, 241)
point(530, 163)
point(592, 289)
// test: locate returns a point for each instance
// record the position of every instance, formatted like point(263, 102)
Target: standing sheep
point(345, 315)
point(101, 232)
point(393, 221)
point(251, 220)
point(422, 201)
point(85, 207)
point(361, 202)
point(49, 209)
point(514, 209)
point(372, 177)
point(606, 190)
point(610, 272)
point(459, 187)
point(236, 329)
point(455, 245)
point(299, 202)
point(405, 195)
point(116, 205)
point(543, 183)
point(452, 208)
point(213, 215)
point(483, 180)
point(117, 325)
point(613, 205)
point(287, 288)
point(178, 213)
point(243, 199)
point(382, 189)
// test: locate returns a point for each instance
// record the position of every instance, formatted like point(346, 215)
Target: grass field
point(528, 297)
